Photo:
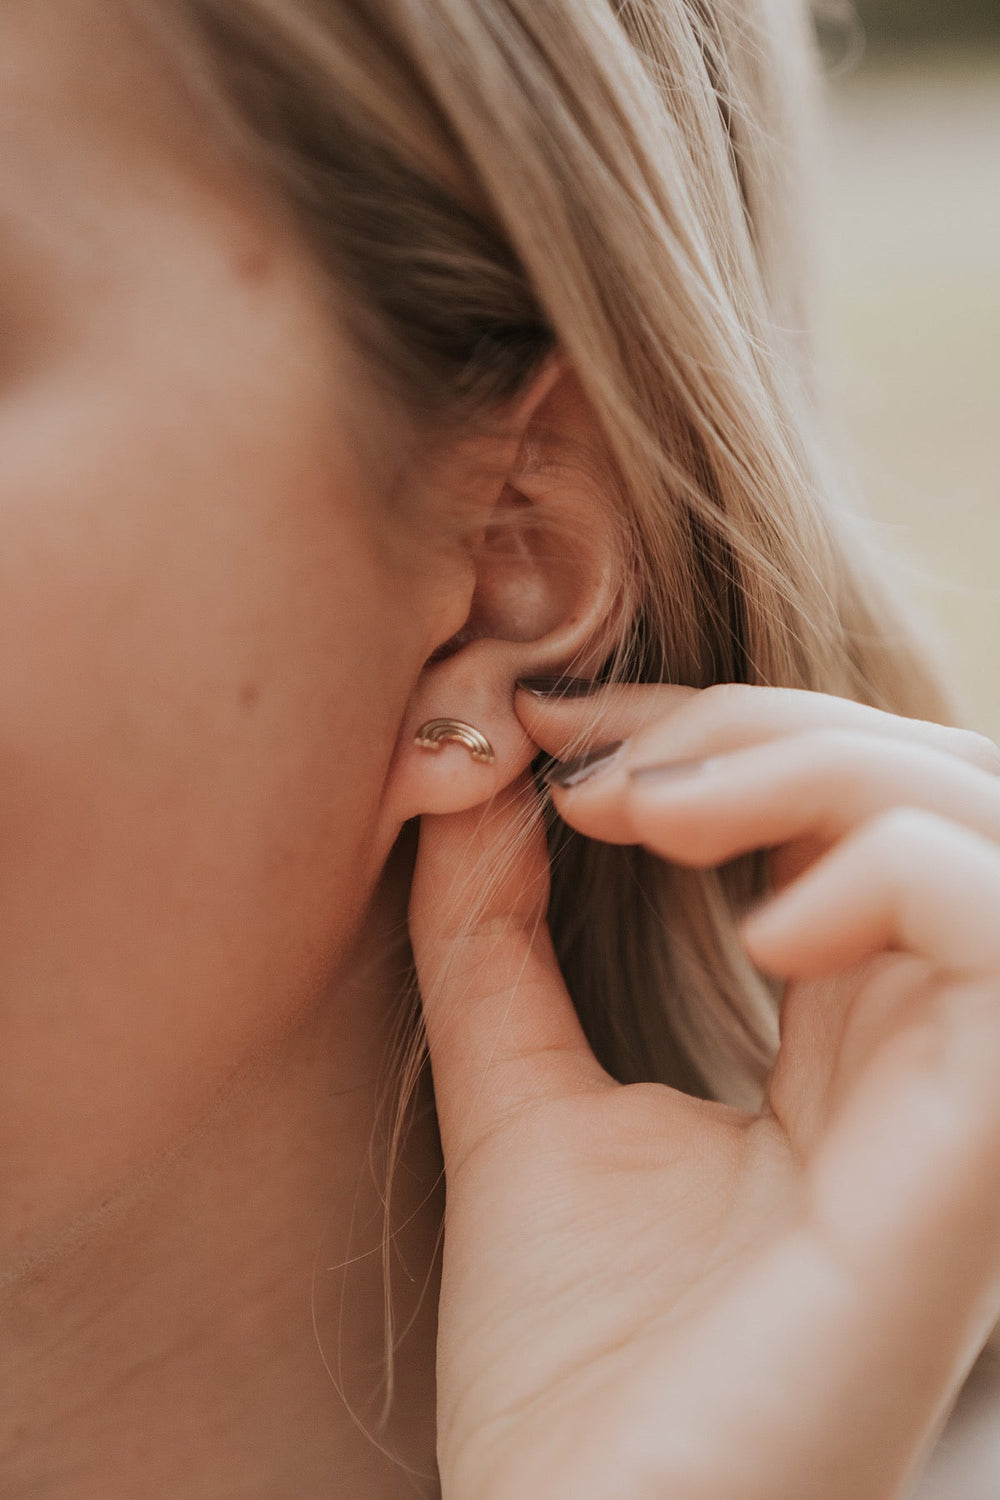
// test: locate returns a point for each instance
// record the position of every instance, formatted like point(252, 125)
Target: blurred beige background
point(912, 240)
point(912, 245)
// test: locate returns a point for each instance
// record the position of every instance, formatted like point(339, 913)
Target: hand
point(652, 1297)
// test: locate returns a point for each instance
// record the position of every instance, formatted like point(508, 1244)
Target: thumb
point(500, 1023)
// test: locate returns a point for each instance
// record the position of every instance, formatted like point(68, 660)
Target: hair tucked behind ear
point(490, 179)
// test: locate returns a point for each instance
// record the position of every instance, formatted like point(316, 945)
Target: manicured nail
point(583, 767)
point(669, 770)
point(559, 687)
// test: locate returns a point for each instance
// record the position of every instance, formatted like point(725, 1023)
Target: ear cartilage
point(436, 732)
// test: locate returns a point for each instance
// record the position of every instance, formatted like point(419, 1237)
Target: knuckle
point(698, 719)
point(724, 694)
point(837, 768)
point(835, 751)
point(696, 723)
point(724, 711)
point(980, 750)
point(906, 834)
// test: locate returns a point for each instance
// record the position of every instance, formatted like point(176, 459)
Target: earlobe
point(460, 742)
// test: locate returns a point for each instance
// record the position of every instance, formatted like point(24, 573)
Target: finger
point(501, 1026)
point(905, 1175)
point(907, 880)
point(813, 787)
point(664, 721)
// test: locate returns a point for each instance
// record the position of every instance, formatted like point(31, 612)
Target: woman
point(400, 399)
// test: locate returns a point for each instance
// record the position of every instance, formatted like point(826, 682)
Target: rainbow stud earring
point(437, 732)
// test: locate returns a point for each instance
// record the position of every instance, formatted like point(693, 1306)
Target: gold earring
point(433, 734)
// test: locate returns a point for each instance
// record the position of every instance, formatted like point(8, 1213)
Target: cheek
point(200, 679)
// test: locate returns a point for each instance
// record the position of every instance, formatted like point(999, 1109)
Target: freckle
point(249, 693)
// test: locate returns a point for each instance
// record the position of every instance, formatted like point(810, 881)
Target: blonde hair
point(627, 181)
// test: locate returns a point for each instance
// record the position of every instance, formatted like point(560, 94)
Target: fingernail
point(559, 687)
point(583, 767)
point(667, 771)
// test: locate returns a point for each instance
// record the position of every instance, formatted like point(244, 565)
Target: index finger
point(676, 722)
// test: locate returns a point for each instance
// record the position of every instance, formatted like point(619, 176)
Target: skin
point(221, 626)
point(199, 612)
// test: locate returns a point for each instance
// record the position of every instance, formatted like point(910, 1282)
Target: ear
point(543, 596)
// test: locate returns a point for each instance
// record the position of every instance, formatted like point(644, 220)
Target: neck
point(219, 1330)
